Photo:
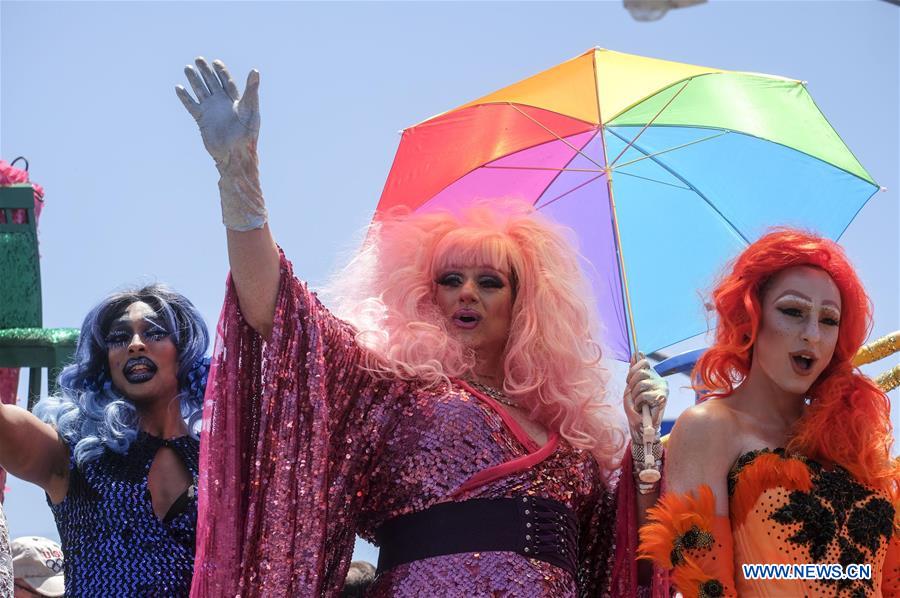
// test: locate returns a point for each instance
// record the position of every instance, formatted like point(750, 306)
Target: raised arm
point(229, 126)
point(31, 450)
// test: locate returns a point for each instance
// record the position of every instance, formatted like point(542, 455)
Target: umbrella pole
point(619, 256)
point(649, 474)
point(615, 222)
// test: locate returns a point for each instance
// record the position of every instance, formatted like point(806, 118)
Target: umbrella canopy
point(665, 170)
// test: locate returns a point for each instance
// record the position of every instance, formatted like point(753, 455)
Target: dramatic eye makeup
point(155, 330)
point(831, 317)
point(121, 333)
point(449, 279)
point(487, 280)
point(491, 281)
point(794, 312)
point(795, 307)
point(117, 336)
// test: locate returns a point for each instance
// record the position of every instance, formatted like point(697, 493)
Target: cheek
point(766, 351)
point(777, 334)
point(114, 359)
point(115, 362)
point(769, 345)
point(442, 299)
point(169, 355)
point(503, 310)
point(831, 338)
point(779, 328)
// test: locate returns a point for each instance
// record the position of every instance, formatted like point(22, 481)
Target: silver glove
point(229, 126)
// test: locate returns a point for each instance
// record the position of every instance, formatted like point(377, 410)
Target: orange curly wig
point(848, 422)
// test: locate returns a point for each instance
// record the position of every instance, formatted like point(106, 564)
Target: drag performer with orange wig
point(450, 409)
point(786, 460)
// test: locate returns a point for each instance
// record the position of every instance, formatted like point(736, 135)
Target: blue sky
point(86, 93)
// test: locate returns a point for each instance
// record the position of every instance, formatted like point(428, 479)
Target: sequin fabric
point(46, 337)
point(114, 543)
point(835, 519)
point(442, 440)
point(6, 565)
point(303, 448)
point(9, 384)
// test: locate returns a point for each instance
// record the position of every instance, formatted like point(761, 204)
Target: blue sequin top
point(114, 543)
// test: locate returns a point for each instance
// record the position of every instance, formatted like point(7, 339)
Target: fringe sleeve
point(685, 536)
point(597, 546)
point(623, 576)
point(290, 427)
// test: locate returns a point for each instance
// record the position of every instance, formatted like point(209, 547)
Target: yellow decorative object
point(879, 349)
point(889, 380)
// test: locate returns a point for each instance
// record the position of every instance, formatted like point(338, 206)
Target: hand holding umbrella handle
point(649, 474)
point(645, 400)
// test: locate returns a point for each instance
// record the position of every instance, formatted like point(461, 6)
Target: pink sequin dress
point(303, 448)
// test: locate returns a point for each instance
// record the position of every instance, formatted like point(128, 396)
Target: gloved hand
point(229, 126)
point(644, 386)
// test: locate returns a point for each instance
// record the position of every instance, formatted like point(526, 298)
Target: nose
point(811, 331)
point(468, 292)
point(137, 344)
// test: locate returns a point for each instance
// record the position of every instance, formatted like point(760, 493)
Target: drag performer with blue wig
point(117, 452)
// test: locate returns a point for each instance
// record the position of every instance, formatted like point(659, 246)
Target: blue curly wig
point(91, 414)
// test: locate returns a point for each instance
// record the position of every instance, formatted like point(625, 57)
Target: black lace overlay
point(692, 539)
point(817, 523)
point(712, 588)
point(872, 522)
point(838, 516)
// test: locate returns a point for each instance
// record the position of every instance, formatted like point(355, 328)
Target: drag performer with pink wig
point(450, 409)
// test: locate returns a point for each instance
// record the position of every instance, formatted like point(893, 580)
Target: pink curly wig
point(552, 361)
point(848, 422)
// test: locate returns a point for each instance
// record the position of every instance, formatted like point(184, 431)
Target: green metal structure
point(24, 343)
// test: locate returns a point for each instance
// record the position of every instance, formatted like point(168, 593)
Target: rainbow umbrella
point(665, 170)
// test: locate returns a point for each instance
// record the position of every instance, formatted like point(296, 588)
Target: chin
point(799, 388)
point(137, 396)
point(140, 392)
point(472, 344)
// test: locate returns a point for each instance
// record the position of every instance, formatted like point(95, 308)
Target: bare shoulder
point(702, 448)
point(710, 432)
point(710, 421)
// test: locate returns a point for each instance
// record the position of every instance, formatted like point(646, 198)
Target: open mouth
point(139, 369)
point(802, 362)
point(466, 318)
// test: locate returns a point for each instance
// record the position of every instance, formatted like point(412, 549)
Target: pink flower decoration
point(10, 175)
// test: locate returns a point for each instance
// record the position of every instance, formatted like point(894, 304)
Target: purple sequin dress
point(304, 448)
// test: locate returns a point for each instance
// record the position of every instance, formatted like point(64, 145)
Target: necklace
point(492, 392)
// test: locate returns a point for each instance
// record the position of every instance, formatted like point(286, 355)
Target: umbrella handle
point(649, 474)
